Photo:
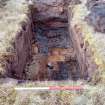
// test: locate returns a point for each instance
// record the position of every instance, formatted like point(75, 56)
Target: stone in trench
point(34, 49)
point(56, 24)
point(37, 70)
point(41, 41)
point(56, 33)
point(66, 53)
point(49, 9)
point(62, 40)
point(62, 74)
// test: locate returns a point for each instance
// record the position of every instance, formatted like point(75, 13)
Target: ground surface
point(10, 17)
point(12, 13)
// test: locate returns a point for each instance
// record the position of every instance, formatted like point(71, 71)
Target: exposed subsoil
point(53, 54)
point(44, 47)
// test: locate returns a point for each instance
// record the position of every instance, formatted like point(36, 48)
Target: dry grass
point(96, 41)
point(12, 13)
point(10, 96)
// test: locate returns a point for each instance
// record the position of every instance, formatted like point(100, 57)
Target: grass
point(10, 96)
point(12, 13)
point(96, 41)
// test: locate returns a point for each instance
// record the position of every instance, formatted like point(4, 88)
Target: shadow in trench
point(53, 42)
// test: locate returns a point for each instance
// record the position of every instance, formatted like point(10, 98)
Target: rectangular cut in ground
point(21, 38)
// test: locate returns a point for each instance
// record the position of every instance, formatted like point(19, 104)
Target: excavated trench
point(55, 54)
point(49, 50)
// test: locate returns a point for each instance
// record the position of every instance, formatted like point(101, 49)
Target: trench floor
point(53, 54)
